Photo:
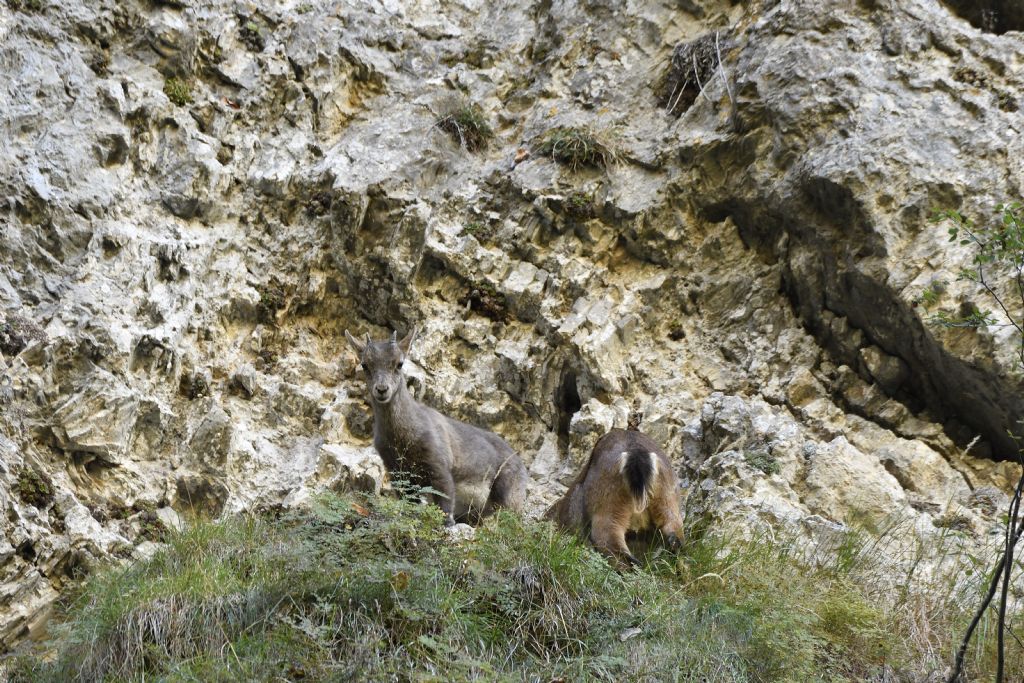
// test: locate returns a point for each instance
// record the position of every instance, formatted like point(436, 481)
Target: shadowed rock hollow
point(198, 198)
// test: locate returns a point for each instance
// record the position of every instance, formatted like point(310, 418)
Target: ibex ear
point(406, 343)
point(358, 347)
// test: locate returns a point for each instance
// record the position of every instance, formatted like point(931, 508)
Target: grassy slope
point(370, 589)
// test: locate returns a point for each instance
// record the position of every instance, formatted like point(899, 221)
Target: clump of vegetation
point(485, 299)
point(466, 122)
point(997, 266)
point(370, 588)
point(26, 5)
point(478, 229)
point(762, 459)
point(178, 91)
point(193, 385)
point(34, 487)
point(579, 204)
point(576, 148)
point(931, 294)
point(954, 521)
point(252, 35)
point(692, 66)
point(271, 301)
point(319, 203)
point(17, 332)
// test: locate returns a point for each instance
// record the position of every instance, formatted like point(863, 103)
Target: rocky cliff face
point(198, 198)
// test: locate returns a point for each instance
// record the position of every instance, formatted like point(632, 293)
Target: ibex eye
point(362, 365)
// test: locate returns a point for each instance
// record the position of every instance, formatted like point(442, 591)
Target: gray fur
point(474, 469)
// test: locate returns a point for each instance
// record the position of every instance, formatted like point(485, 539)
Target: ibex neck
point(396, 415)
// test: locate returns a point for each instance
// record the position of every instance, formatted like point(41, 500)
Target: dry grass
point(692, 66)
point(575, 148)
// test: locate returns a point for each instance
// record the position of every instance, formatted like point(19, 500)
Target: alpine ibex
point(472, 471)
point(628, 484)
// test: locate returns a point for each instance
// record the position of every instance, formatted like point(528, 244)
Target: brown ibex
point(628, 484)
point(472, 471)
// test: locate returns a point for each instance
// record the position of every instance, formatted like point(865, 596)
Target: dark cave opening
point(993, 16)
point(568, 403)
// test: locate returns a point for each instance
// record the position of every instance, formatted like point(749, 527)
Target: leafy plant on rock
point(997, 265)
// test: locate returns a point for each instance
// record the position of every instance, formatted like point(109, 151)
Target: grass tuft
point(178, 91)
point(467, 124)
point(575, 148)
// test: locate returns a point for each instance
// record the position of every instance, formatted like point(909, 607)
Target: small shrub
point(319, 204)
point(252, 35)
point(931, 294)
point(575, 148)
point(467, 124)
point(579, 204)
point(271, 301)
point(480, 230)
point(34, 488)
point(486, 300)
point(17, 332)
point(178, 91)
point(762, 459)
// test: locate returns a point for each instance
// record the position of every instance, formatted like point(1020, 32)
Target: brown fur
point(602, 502)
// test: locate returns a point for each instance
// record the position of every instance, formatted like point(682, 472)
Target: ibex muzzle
point(628, 484)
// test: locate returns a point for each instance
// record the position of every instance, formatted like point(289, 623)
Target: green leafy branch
point(998, 247)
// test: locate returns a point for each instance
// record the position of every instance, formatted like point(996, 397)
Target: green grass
point(761, 459)
point(467, 124)
point(178, 91)
point(34, 487)
point(369, 588)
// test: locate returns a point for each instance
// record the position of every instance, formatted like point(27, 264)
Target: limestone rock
point(844, 483)
point(753, 267)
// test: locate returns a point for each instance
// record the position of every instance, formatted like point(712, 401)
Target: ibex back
point(628, 484)
point(473, 471)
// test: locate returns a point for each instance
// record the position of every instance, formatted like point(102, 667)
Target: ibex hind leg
point(608, 534)
point(508, 489)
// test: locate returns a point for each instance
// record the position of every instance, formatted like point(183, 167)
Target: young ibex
point(474, 471)
point(628, 484)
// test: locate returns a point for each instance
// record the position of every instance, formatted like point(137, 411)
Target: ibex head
point(381, 363)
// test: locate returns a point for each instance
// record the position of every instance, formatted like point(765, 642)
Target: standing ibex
point(472, 471)
point(628, 484)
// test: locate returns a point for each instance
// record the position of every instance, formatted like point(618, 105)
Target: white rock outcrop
point(198, 198)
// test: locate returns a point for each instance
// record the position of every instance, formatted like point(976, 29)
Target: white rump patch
point(639, 505)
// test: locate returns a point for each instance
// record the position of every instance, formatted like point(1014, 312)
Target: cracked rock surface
point(199, 198)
